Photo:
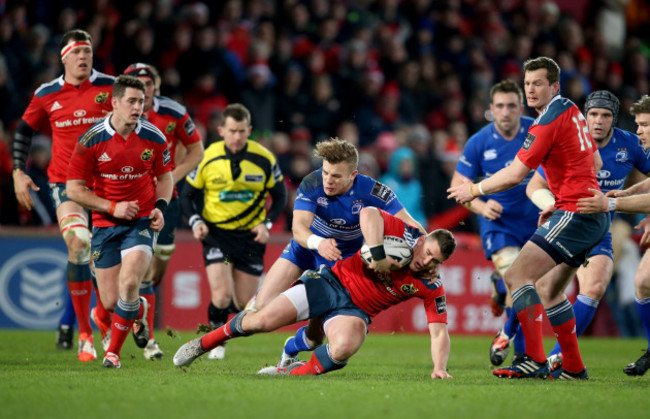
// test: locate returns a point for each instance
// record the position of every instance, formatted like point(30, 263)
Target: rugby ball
point(395, 247)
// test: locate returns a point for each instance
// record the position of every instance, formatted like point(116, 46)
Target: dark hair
point(641, 106)
point(507, 86)
point(336, 150)
point(122, 82)
point(236, 111)
point(552, 69)
point(77, 35)
point(445, 240)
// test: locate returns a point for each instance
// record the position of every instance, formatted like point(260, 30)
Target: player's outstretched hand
point(126, 210)
point(328, 249)
point(157, 220)
point(440, 375)
point(617, 193)
point(461, 193)
point(594, 204)
point(645, 225)
point(22, 184)
point(261, 233)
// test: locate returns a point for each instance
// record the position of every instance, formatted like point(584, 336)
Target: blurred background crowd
point(407, 80)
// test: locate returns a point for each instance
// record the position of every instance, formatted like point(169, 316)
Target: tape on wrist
point(480, 188)
point(111, 210)
point(194, 220)
point(314, 241)
point(611, 204)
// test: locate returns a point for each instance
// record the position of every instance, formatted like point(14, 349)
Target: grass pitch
point(388, 378)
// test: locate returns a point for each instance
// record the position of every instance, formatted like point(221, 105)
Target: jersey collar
point(109, 128)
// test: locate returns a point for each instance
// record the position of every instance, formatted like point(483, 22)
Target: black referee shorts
point(236, 247)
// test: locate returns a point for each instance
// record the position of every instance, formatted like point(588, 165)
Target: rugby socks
point(230, 330)
point(584, 309)
point(297, 343)
point(563, 321)
point(643, 307)
point(217, 316)
point(80, 287)
point(147, 291)
point(321, 362)
point(68, 318)
point(519, 343)
point(529, 309)
point(123, 319)
point(512, 323)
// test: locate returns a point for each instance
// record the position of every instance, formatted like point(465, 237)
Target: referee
point(236, 175)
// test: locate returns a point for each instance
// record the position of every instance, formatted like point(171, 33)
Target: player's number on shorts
point(583, 131)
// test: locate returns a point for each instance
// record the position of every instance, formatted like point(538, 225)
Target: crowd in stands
point(407, 80)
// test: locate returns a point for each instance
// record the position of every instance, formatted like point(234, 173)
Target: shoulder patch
point(441, 304)
point(528, 142)
point(381, 191)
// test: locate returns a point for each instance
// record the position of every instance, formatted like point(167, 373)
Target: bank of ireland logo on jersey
point(33, 288)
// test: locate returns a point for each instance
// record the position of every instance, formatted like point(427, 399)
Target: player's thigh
point(345, 335)
point(642, 277)
point(220, 277)
point(277, 313)
point(531, 264)
point(282, 274)
point(594, 278)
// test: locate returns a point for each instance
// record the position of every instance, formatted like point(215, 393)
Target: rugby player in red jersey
point(69, 104)
point(347, 296)
point(559, 140)
point(172, 119)
point(127, 159)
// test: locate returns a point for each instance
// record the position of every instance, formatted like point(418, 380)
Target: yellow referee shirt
point(235, 186)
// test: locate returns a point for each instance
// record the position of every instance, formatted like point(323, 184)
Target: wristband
point(611, 204)
point(161, 204)
point(194, 220)
point(314, 241)
point(480, 188)
point(111, 210)
point(377, 252)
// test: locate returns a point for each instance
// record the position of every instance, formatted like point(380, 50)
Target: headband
point(72, 45)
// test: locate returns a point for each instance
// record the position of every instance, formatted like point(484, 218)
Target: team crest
point(312, 274)
point(409, 289)
point(101, 97)
point(95, 255)
point(170, 127)
point(146, 154)
point(529, 141)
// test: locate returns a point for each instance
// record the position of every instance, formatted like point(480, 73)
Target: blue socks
point(643, 306)
point(68, 318)
point(297, 343)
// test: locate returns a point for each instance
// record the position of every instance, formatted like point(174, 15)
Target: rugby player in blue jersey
point(506, 219)
point(620, 152)
point(326, 228)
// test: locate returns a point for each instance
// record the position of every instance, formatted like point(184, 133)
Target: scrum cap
point(603, 99)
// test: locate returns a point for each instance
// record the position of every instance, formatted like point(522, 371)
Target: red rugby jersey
point(69, 110)
point(123, 169)
point(559, 140)
point(173, 120)
point(374, 297)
